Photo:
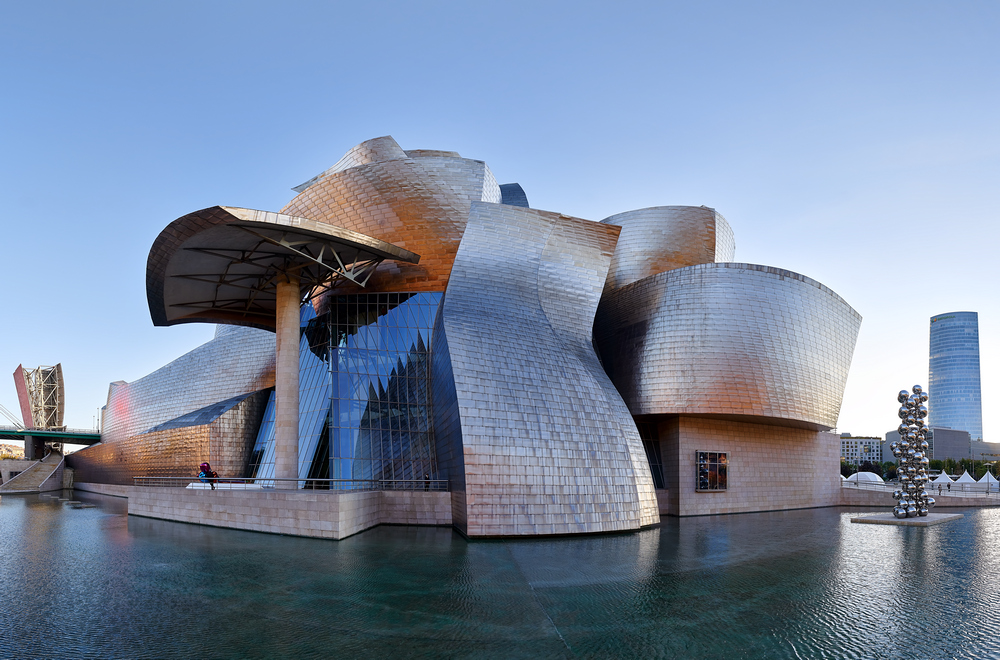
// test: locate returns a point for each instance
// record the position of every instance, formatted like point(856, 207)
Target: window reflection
point(364, 399)
point(713, 470)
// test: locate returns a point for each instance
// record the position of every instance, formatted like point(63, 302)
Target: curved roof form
point(988, 478)
point(729, 341)
point(661, 238)
point(222, 264)
point(419, 199)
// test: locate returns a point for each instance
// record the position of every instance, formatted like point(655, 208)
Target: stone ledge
point(890, 519)
point(334, 515)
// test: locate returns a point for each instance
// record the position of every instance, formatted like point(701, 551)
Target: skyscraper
point(955, 396)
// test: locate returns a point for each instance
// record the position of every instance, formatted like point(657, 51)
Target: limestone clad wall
point(771, 468)
point(320, 514)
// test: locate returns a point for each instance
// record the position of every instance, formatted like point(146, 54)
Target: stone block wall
point(320, 514)
point(771, 468)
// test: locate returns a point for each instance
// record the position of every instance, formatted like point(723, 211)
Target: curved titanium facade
point(530, 429)
point(237, 361)
point(661, 238)
point(729, 340)
point(954, 387)
point(418, 200)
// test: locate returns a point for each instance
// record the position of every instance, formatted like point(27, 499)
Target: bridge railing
point(237, 483)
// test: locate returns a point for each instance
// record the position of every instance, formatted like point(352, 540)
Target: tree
point(937, 464)
point(846, 469)
point(888, 470)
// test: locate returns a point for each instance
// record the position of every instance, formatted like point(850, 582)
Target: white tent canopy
point(966, 481)
point(942, 479)
point(988, 478)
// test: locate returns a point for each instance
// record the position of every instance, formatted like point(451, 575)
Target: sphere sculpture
point(912, 499)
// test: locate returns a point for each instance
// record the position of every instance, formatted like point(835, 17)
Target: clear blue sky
point(854, 142)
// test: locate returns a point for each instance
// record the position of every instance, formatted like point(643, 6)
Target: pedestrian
point(206, 475)
point(427, 482)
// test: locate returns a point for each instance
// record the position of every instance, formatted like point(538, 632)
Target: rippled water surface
point(799, 584)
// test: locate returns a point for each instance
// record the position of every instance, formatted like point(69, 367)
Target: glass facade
point(364, 391)
point(954, 387)
point(651, 443)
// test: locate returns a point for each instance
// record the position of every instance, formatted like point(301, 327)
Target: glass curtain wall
point(364, 401)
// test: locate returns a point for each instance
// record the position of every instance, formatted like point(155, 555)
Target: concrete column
point(286, 384)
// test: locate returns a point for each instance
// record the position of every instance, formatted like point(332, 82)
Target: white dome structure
point(866, 477)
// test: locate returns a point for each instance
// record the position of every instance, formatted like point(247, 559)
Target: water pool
point(96, 583)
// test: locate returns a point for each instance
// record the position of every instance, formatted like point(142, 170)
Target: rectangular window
point(713, 471)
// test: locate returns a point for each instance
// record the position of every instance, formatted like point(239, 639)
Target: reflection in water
point(96, 583)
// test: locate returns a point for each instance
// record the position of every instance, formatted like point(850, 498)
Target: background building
point(954, 389)
point(944, 443)
point(858, 449)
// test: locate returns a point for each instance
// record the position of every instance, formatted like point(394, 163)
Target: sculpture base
point(925, 521)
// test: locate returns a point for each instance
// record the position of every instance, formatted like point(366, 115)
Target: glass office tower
point(955, 396)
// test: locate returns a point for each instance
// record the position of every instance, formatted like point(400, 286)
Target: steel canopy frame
point(222, 264)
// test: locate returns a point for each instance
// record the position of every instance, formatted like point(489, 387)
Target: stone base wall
point(663, 501)
point(331, 515)
point(9, 465)
point(771, 468)
point(114, 490)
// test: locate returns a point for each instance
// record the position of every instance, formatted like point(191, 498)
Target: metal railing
point(974, 490)
point(237, 483)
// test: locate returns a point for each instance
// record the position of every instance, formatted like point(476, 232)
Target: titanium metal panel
point(661, 238)
point(544, 442)
point(729, 340)
point(237, 361)
point(224, 440)
point(418, 200)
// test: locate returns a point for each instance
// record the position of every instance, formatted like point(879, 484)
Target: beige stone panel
point(771, 468)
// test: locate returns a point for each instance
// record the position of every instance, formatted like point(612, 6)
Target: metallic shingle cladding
point(417, 200)
point(224, 442)
point(661, 238)
point(237, 361)
point(546, 444)
point(729, 339)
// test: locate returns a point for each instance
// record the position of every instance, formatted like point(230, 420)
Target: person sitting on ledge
point(207, 476)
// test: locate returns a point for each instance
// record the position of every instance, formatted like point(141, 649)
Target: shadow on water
point(97, 583)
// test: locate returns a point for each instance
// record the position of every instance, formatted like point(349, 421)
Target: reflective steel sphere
point(903, 396)
point(917, 389)
point(899, 512)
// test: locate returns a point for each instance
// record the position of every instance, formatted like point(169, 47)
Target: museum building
point(406, 318)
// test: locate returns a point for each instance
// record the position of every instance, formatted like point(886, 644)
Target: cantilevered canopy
point(222, 264)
